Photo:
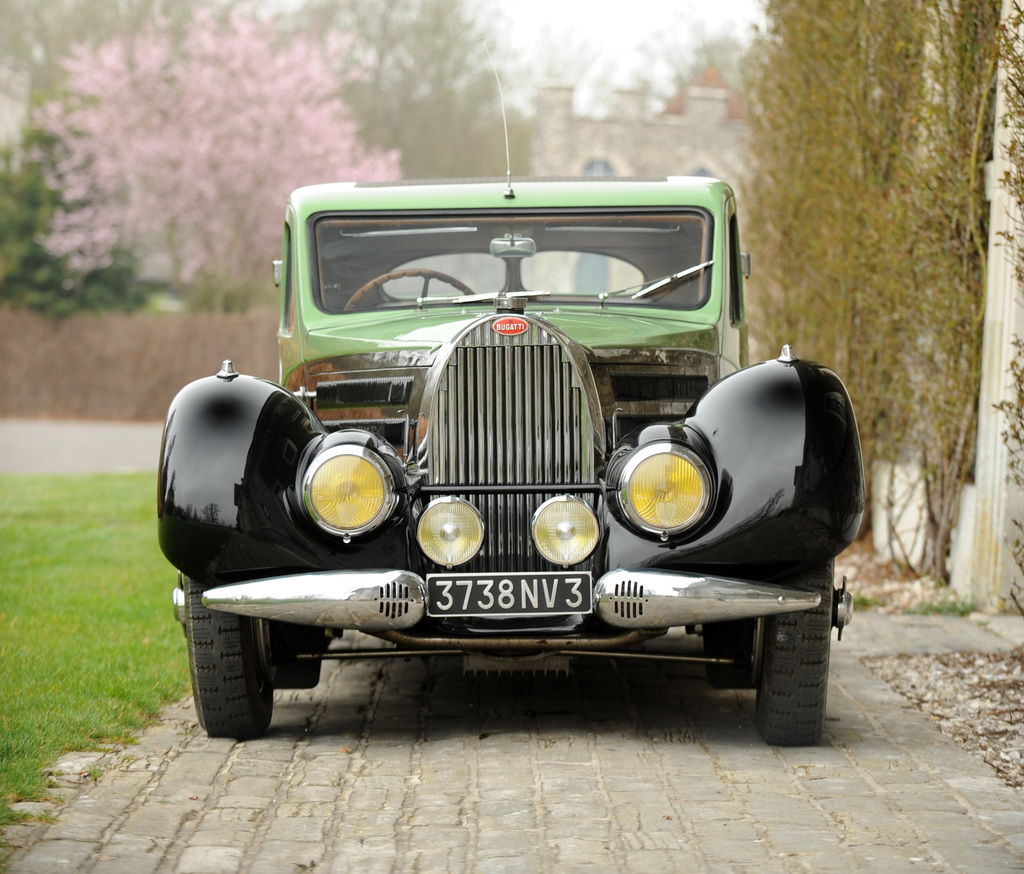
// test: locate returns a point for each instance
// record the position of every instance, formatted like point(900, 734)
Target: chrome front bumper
point(363, 600)
point(384, 600)
point(629, 598)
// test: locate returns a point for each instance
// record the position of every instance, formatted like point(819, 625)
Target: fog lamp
point(348, 490)
point(565, 530)
point(664, 488)
point(450, 531)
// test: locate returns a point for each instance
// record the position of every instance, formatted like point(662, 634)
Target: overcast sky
point(630, 22)
point(598, 47)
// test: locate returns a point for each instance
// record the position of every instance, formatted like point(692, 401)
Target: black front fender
point(227, 475)
point(782, 444)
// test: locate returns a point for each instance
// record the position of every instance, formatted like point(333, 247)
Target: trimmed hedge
point(122, 366)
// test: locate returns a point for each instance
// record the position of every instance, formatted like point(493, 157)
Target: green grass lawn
point(88, 647)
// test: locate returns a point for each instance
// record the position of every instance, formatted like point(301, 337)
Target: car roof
point(489, 194)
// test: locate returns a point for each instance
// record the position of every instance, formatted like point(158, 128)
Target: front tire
point(231, 683)
point(793, 685)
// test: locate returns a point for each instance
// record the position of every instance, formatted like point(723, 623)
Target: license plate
point(518, 594)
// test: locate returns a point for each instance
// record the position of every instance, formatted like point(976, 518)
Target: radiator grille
point(510, 411)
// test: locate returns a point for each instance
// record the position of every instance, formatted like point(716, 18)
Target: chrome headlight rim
point(564, 499)
point(390, 496)
point(642, 454)
point(461, 502)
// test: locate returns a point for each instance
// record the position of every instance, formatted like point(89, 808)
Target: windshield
point(645, 259)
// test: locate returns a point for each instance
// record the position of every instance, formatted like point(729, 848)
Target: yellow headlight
point(665, 489)
point(348, 490)
point(450, 531)
point(565, 530)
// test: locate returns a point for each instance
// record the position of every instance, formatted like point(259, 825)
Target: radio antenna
point(509, 193)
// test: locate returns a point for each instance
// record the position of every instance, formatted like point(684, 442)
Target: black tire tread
point(793, 688)
point(232, 698)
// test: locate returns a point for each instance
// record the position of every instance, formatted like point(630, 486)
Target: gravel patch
point(976, 698)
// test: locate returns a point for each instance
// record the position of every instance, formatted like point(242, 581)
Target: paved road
point(619, 767)
point(74, 446)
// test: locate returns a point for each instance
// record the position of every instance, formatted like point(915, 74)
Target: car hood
point(604, 334)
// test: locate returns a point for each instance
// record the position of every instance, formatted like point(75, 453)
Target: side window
point(287, 303)
point(735, 273)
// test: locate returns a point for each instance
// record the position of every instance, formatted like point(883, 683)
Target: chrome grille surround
point(512, 411)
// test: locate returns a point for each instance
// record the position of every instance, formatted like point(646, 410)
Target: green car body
point(515, 422)
point(307, 333)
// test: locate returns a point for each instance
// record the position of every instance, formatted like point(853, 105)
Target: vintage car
point(517, 423)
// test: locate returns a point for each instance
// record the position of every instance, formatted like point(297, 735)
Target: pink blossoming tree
point(187, 149)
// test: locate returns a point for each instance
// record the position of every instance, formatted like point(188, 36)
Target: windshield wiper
point(495, 296)
point(656, 285)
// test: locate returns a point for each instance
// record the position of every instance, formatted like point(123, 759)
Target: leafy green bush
point(29, 275)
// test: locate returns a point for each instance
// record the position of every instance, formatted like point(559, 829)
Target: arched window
point(599, 167)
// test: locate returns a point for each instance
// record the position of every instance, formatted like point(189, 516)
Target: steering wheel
point(377, 285)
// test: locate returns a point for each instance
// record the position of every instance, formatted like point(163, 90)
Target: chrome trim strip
point(370, 600)
point(178, 601)
point(842, 609)
point(641, 598)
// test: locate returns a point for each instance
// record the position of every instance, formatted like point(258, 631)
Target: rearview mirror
point(511, 246)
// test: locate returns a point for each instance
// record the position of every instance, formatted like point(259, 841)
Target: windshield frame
point(467, 215)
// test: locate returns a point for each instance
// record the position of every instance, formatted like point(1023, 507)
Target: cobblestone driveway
point(622, 766)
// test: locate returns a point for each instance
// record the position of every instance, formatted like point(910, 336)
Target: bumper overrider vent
point(395, 599)
point(509, 415)
point(626, 599)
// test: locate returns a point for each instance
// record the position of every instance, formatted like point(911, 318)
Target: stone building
point(702, 131)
